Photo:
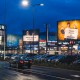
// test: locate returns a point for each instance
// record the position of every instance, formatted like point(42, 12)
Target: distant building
point(2, 38)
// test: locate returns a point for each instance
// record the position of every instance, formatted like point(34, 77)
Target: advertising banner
point(69, 30)
point(71, 34)
point(30, 35)
point(30, 38)
point(12, 40)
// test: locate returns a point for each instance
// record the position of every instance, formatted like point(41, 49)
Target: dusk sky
point(19, 18)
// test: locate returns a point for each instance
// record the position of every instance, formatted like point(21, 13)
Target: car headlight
point(56, 60)
point(48, 59)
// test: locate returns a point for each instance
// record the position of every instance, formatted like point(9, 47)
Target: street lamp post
point(4, 27)
point(4, 44)
point(25, 3)
point(46, 38)
point(33, 11)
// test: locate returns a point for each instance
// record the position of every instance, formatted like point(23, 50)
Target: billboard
point(69, 30)
point(30, 35)
point(30, 38)
point(12, 40)
point(42, 43)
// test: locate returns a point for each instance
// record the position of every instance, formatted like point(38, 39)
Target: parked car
point(77, 62)
point(20, 62)
point(14, 56)
point(1, 55)
point(37, 57)
point(69, 59)
point(58, 58)
point(43, 57)
point(50, 59)
point(8, 55)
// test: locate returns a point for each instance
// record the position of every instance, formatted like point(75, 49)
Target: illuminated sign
point(30, 35)
point(42, 44)
point(2, 27)
point(69, 30)
point(65, 43)
point(12, 40)
point(30, 38)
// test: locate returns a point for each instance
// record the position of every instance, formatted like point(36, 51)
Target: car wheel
point(19, 66)
point(29, 66)
point(10, 65)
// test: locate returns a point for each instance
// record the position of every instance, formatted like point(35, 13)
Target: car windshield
point(28, 58)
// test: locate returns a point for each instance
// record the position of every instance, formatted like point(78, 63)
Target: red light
point(21, 62)
point(30, 61)
point(71, 42)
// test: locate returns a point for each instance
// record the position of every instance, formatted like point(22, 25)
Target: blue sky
point(19, 18)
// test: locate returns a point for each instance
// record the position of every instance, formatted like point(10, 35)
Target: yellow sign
point(69, 30)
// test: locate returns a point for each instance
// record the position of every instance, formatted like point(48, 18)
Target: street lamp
point(4, 28)
point(33, 11)
point(26, 3)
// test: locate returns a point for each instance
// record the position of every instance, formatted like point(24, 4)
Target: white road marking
point(51, 76)
point(41, 73)
point(54, 68)
point(77, 76)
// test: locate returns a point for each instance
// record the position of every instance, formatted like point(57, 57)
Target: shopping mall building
point(15, 45)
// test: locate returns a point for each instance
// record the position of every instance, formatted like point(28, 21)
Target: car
point(13, 56)
point(28, 63)
point(50, 59)
point(77, 62)
point(1, 55)
point(8, 56)
point(69, 59)
point(20, 62)
point(43, 57)
point(58, 58)
point(29, 56)
point(37, 57)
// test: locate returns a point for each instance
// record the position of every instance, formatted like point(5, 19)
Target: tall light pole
point(4, 26)
point(46, 38)
point(33, 11)
point(26, 3)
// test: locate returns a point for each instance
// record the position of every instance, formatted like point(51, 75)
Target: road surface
point(36, 73)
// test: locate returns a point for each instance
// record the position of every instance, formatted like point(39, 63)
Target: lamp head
point(25, 3)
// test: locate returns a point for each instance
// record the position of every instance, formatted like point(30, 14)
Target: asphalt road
point(37, 73)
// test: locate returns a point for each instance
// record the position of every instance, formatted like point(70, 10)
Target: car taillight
point(21, 61)
point(30, 61)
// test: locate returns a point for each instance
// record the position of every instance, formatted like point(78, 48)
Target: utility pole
point(4, 27)
point(4, 43)
point(46, 38)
